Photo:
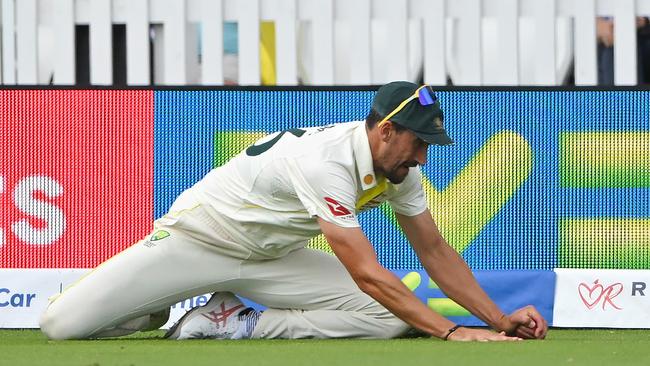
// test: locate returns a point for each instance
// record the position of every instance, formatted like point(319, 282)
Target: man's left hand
point(527, 323)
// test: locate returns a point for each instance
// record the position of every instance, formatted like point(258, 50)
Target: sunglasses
point(424, 94)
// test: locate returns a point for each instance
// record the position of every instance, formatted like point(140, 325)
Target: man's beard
point(395, 177)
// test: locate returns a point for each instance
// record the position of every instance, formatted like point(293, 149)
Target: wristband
point(451, 330)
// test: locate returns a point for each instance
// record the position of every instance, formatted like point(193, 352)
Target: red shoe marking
point(220, 317)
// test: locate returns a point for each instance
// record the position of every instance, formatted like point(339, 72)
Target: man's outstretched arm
point(357, 255)
point(453, 276)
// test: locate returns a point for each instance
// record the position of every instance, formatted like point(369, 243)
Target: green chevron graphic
point(604, 243)
point(605, 159)
point(229, 144)
point(481, 189)
point(442, 305)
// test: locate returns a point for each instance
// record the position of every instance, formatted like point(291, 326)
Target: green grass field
point(562, 347)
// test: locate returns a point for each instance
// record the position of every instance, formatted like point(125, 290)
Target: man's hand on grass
point(527, 323)
point(463, 334)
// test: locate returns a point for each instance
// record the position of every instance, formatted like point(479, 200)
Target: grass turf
point(562, 347)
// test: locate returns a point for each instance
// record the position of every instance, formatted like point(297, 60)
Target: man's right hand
point(463, 334)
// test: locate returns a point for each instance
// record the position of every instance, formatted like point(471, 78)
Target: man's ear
point(386, 131)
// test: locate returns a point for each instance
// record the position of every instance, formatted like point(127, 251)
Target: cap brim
point(435, 139)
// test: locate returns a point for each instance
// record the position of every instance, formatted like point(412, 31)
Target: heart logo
point(592, 295)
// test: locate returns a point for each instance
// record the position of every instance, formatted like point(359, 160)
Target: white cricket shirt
point(267, 198)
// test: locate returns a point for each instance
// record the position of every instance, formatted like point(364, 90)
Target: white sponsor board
point(24, 295)
point(602, 298)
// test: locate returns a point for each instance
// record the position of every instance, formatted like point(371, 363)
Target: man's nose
point(421, 155)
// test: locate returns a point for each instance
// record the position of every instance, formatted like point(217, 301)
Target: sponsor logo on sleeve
point(337, 209)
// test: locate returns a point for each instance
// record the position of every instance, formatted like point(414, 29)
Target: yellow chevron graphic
point(481, 189)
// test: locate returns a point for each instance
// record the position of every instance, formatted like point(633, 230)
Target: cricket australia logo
point(437, 123)
point(158, 235)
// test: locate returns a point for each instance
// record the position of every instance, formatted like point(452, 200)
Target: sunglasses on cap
point(425, 96)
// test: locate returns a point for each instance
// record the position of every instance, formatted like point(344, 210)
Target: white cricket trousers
point(309, 294)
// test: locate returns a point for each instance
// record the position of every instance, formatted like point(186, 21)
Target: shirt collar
point(363, 157)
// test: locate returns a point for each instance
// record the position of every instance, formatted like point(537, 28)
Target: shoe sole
point(180, 321)
point(175, 327)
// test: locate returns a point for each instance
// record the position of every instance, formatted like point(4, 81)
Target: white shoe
point(218, 319)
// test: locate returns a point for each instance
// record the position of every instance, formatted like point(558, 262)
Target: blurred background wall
point(323, 42)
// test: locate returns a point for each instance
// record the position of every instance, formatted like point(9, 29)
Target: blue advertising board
point(535, 180)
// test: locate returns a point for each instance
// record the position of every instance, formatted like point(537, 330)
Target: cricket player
point(242, 230)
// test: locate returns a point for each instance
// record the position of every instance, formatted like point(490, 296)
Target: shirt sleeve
point(408, 198)
point(327, 190)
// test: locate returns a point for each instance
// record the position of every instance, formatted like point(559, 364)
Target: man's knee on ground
point(387, 324)
point(393, 328)
point(57, 326)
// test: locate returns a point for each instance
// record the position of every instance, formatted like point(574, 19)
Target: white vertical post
point(625, 53)
point(212, 42)
point(394, 47)
point(192, 52)
point(8, 42)
point(545, 42)
point(175, 34)
point(101, 43)
point(469, 43)
point(286, 60)
point(433, 16)
point(323, 30)
point(361, 39)
point(26, 42)
point(508, 49)
point(64, 60)
point(643, 8)
point(586, 57)
point(137, 43)
point(159, 54)
point(248, 29)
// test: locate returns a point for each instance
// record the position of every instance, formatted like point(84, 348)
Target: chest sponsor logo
point(336, 208)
